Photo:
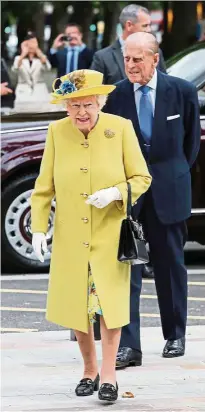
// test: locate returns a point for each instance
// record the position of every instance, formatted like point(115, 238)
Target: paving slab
point(41, 369)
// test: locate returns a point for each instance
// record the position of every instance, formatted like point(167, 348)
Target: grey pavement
point(40, 371)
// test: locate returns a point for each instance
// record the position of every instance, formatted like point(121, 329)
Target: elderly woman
point(89, 157)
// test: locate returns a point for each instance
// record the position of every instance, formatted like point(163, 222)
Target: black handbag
point(132, 248)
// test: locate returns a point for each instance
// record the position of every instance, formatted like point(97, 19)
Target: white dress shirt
point(152, 93)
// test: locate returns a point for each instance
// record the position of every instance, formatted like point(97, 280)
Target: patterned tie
point(145, 114)
point(72, 68)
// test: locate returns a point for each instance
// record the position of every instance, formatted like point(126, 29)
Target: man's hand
point(39, 244)
point(58, 42)
point(103, 197)
point(5, 90)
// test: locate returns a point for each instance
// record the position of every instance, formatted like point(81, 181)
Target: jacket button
point(85, 195)
point(86, 244)
point(85, 219)
point(85, 144)
point(84, 169)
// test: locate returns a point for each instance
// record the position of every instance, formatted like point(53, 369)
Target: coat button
point(84, 169)
point(85, 195)
point(85, 219)
point(86, 244)
point(85, 145)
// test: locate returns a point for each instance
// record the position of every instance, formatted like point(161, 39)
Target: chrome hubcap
point(18, 226)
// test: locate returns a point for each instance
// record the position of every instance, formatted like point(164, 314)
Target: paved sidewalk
point(40, 372)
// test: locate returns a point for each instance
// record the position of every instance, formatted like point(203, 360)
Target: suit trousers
point(166, 244)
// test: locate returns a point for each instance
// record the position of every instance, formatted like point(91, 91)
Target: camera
point(66, 38)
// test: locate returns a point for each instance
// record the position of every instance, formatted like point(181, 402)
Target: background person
point(30, 66)
point(165, 114)
point(88, 159)
point(6, 92)
point(68, 52)
point(109, 61)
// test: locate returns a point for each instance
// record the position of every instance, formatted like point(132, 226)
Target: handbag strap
point(129, 200)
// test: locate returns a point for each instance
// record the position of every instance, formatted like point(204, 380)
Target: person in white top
point(30, 66)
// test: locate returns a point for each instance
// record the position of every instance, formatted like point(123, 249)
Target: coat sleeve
point(15, 67)
point(44, 189)
point(192, 125)
point(136, 171)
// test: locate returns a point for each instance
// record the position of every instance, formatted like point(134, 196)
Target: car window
point(191, 67)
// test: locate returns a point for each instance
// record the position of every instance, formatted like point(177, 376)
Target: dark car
point(23, 138)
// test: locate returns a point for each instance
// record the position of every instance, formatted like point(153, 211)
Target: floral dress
point(93, 300)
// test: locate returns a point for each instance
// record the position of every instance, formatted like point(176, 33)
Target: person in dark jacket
point(109, 61)
point(165, 115)
point(68, 52)
point(6, 91)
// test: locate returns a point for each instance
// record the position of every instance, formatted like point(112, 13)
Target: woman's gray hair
point(101, 99)
point(131, 12)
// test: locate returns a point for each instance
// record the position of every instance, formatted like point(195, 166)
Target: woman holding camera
point(30, 66)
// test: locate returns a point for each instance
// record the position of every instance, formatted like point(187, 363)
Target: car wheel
point(17, 251)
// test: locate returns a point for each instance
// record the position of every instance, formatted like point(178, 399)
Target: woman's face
point(83, 112)
point(32, 45)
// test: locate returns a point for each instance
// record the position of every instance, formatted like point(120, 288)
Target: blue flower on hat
point(66, 87)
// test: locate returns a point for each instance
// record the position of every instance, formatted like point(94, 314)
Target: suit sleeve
point(89, 57)
point(53, 58)
point(98, 65)
point(135, 166)
point(15, 67)
point(192, 125)
point(44, 189)
point(161, 65)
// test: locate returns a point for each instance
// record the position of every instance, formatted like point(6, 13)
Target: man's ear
point(156, 59)
point(128, 26)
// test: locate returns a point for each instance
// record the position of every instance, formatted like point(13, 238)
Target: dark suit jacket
point(8, 100)
point(110, 62)
point(174, 144)
point(59, 60)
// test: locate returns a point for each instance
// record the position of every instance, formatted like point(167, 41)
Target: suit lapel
point(163, 95)
point(118, 57)
point(131, 110)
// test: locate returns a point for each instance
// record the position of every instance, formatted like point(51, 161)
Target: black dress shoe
point(128, 357)
point(174, 348)
point(108, 392)
point(147, 272)
point(86, 386)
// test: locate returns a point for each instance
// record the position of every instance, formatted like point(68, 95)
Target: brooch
point(109, 133)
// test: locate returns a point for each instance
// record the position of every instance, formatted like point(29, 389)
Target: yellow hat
point(80, 83)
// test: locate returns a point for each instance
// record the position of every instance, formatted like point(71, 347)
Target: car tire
point(17, 252)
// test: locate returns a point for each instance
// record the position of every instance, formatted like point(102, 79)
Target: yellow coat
point(72, 168)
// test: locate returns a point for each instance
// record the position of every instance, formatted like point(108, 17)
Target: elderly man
point(109, 61)
point(165, 114)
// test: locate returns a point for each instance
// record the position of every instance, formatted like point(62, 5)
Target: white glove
point(39, 244)
point(103, 197)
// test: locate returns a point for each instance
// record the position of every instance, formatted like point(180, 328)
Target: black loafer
point(128, 357)
point(86, 386)
point(108, 392)
point(174, 348)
